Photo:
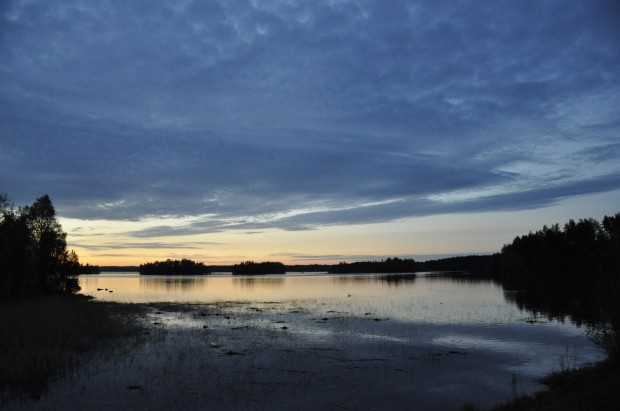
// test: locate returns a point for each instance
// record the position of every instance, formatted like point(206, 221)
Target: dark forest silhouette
point(251, 268)
point(476, 264)
point(174, 267)
point(33, 251)
point(389, 265)
point(572, 271)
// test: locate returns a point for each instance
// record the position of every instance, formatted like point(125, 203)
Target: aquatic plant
point(49, 336)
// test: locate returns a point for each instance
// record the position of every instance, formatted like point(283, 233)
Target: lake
point(319, 341)
point(429, 298)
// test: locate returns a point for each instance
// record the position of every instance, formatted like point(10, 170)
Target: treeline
point(250, 268)
point(309, 268)
point(583, 250)
point(389, 265)
point(33, 251)
point(89, 269)
point(485, 265)
point(173, 267)
point(570, 271)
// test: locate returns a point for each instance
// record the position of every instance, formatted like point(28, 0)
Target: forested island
point(174, 267)
point(252, 268)
point(475, 264)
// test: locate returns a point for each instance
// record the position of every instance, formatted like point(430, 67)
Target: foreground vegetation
point(590, 388)
point(44, 327)
point(46, 337)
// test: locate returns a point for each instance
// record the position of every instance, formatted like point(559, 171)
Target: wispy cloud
point(149, 245)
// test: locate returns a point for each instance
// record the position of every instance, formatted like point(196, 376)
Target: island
point(252, 268)
point(174, 267)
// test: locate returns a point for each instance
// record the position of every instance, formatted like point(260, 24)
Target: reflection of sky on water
point(386, 340)
point(402, 297)
point(254, 282)
point(170, 284)
point(459, 311)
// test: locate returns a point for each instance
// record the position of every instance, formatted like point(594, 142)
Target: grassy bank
point(46, 337)
point(589, 388)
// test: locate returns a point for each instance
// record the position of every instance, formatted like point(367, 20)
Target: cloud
point(320, 258)
point(149, 245)
point(250, 115)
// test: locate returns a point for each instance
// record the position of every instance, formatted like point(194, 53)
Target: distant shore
point(480, 264)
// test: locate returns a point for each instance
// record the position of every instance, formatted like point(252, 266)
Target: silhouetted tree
point(33, 250)
point(48, 243)
point(16, 263)
point(89, 269)
point(479, 265)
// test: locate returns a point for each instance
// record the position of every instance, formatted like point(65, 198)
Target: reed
point(44, 338)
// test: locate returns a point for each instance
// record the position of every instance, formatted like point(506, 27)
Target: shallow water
point(423, 342)
point(429, 298)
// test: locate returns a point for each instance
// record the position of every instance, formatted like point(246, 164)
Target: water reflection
point(404, 297)
point(449, 323)
point(459, 277)
point(171, 284)
point(439, 297)
point(390, 279)
point(555, 305)
point(254, 281)
point(429, 335)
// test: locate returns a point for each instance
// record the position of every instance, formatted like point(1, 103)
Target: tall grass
point(43, 338)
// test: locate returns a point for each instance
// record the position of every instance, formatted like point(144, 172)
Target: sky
point(308, 131)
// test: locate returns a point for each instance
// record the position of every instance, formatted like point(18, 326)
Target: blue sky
point(205, 128)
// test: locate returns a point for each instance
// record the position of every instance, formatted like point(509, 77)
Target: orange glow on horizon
point(111, 243)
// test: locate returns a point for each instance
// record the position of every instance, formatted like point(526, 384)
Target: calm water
point(421, 299)
point(414, 298)
point(318, 341)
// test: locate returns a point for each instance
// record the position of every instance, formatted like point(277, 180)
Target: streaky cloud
point(297, 115)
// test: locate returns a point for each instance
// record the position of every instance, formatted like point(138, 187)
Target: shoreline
point(592, 387)
point(52, 335)
point(266, 366)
